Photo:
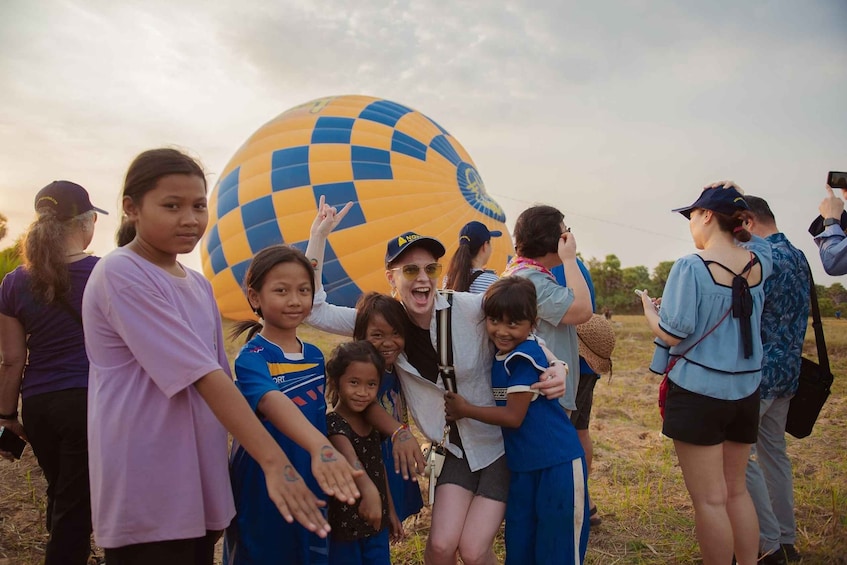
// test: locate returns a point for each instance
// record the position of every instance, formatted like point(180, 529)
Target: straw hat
point(596, 343)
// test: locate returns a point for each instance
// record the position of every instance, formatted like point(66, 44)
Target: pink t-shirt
point(157, 454)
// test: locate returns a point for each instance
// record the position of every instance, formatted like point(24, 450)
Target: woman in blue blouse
point(709, 324)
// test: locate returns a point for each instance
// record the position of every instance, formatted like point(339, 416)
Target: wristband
point(830, 222)
point(555, 362)
point(12, 416)
point(398, 430)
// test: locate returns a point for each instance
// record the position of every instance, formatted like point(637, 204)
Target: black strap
point(474, 276)
point(742, 302)
point(444, 335)
point(63, 302)
point(817, 325)
point(681, 355)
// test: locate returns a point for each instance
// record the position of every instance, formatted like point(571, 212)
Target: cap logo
point(50, 198)
point(739, 198)
point(401, 241)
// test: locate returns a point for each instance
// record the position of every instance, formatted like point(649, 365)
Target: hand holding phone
point(836, 179)
point(11, 443)
point(639, 292)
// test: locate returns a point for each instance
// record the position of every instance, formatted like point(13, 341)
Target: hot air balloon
point(402, 170)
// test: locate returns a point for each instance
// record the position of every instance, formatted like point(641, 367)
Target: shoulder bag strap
point(817, 325)
point(704, 336)
point(445, 343)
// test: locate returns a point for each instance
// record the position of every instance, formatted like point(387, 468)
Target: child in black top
point(360, 532)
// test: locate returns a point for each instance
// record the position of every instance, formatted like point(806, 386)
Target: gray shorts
point(491, 482)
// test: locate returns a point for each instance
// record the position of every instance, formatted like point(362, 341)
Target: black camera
point(10, 442)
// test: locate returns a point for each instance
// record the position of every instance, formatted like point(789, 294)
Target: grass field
point(636, 483)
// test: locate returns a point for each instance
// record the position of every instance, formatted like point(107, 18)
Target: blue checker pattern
point(330, 129)
point(228, 193)
point(216, 252)
point(338, 194)
point(407, 145)
point(370, 163)
point(290, 168)
point(384, 112)
point(440, 144)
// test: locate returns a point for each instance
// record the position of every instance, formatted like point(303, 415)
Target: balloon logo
point(402, 170)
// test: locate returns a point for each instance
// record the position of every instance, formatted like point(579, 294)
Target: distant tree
point(10, 258)
point(837, 293)
point(660, 277)
point(3, 225)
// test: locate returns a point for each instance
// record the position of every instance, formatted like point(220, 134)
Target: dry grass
point(636, 483)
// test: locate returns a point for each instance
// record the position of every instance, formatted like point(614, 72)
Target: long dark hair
point(375, 303)
point(44, 253)
point(345, 354)
point(459, 273)
point(513, 298)
point(143, 174)
point(262, 263)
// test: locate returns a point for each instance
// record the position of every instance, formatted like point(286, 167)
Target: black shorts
point(702, 420)
point(584, 401)
point(491, 482)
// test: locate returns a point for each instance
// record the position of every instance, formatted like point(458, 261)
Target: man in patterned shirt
point(784, 322)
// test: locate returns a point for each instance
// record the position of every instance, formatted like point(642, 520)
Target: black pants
point(196, 551)
point(55, 425)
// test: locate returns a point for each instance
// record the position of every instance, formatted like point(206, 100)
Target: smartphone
point(10, 442)
point(837, 179)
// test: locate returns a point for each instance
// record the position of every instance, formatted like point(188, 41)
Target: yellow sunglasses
point(411, 271)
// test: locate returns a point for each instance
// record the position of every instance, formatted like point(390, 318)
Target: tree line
point(613, 287)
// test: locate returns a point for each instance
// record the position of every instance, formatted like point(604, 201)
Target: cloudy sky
point(613, 111)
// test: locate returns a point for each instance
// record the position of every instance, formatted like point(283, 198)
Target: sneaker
point(776, 557)
point(791, 553)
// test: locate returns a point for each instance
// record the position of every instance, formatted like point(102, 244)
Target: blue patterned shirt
point(784, 318)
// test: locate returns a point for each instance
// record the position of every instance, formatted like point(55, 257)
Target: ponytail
point(734, 224)
point(459, 273)
point(252, 327)
point(44, 251)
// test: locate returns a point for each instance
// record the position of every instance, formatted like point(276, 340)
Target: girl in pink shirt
point(160, 395)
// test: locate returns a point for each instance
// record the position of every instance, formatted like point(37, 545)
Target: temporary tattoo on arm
point(327, 454)
point(403, 436)
point(290, 474)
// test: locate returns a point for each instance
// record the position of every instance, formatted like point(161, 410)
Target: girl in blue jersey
point(379, 320)
point(283, 381)
point(547, 508)
point(360, 533)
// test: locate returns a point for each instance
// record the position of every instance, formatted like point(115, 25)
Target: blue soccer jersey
point(546, 437)
point(259, 534)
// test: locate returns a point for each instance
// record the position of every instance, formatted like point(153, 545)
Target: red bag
point(663, 394)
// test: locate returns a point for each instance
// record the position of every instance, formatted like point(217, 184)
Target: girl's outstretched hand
point(295, 501)
point(334, 474)
point(327, 218)
point(395, 527)
point(408, 459)
point(370, 509)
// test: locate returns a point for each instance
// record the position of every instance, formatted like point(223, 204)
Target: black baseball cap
point(398, 245)
point(722, 200)
point(67, 199)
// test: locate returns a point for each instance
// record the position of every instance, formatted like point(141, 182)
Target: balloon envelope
point(401, 169)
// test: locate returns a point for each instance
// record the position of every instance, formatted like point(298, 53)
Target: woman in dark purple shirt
point(43, 360)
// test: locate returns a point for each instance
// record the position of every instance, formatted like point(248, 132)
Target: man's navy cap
point(67, 199)
point(722, 200)
point(475, 234)
point(398, 245)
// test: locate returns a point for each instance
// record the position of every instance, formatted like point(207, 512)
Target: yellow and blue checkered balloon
point(402, 170)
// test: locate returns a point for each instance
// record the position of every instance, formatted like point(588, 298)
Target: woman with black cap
point(467, 272)
point(44, 360)
point(708, 343)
